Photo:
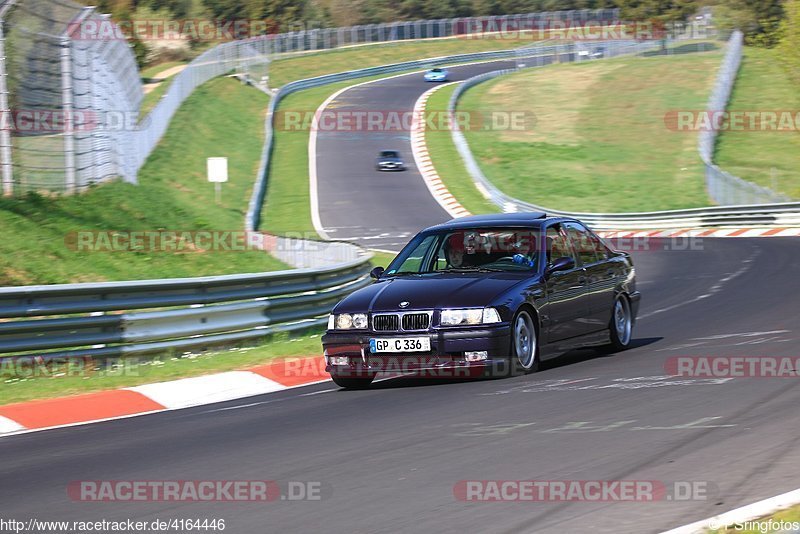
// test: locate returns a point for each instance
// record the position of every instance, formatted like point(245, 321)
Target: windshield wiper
point(399, 273)
point(471, 270)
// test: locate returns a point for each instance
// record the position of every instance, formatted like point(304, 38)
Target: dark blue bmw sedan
point(489, 294)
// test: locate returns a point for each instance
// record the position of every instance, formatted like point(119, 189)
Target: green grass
point(309, 65)
point(222, 118)
point(382, 259)
point(770, 159)
point(599, 140)
point(451, 167)
point(133, 371)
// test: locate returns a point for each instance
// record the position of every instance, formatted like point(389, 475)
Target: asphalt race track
point(388, 458)
point(375, 209)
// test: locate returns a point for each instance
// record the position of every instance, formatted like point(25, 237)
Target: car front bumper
point(391, 167)
point(446, 357)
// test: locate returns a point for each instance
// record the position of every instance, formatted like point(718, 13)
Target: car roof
point(527, 218)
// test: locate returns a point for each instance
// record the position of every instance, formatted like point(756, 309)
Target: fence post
point(66, 104)
point(5, 114)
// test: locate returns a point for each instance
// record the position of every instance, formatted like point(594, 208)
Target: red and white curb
point(766, 231)
point(161, 396)
point(749, 512)
point(419, 149)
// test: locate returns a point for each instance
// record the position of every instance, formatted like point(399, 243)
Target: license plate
point(400, 344)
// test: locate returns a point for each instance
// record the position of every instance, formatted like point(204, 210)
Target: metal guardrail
point(723, 187)
point(149, 316)
point(138, 317)
point(776, 213)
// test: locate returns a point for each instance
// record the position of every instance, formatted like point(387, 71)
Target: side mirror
point(376, 273)
point(561, 264)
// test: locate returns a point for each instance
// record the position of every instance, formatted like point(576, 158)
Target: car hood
point(429, 291)
point(389, 160)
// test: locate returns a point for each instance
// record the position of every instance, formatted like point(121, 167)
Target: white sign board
point(217, 169)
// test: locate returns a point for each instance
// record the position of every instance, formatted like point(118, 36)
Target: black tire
point(524, 349)
point(621, 324)
point(353, 382)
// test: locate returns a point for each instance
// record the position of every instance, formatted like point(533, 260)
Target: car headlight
point(469, 316)
point(347, 321)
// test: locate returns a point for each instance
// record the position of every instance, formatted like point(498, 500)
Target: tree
point(789, 47)
point(758, 19)
point(660, 10)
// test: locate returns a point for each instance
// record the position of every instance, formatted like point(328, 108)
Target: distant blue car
point(436, 75)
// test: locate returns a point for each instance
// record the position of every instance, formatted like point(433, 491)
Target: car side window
point(600, 248)
point(557, 244)
point(582, 242)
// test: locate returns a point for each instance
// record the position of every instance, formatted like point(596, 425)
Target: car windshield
point(469, 250)
point(390, 154)
point(436, 70)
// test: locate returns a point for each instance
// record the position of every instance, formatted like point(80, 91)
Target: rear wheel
point(353, 382)
point(621, 325)
point(524, 344)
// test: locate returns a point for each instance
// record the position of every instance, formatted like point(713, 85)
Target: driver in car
point(454, 250)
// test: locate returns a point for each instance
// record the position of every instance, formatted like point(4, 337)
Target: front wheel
point(353, 382)
point(524, 345)
point(621, 324)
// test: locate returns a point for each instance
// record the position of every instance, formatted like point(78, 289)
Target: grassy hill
point(597, 139)
point(222, 118)
point(768, 158)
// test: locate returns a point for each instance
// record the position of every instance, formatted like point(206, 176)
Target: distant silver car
point(390, 160)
